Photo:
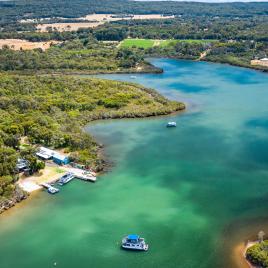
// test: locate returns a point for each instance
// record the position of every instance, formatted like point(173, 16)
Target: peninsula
point(52, 110)
point(257, 254)
point(201, 175)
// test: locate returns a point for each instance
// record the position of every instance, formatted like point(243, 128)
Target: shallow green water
point(191, 191)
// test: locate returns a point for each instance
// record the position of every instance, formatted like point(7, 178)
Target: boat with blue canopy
point(134, 242)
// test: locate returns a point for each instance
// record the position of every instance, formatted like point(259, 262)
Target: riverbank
point(239, 255)
point(144, 68)
point(256, 253)
point(26, 186)
point(203, 57)
point(18, 196)
point(63, 106)
point(185, 189)
point(47, 175)
point(237, 64)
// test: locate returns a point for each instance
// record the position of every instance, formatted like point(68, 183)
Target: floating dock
point(83, 174)
point(67, 177)
point(50, 189)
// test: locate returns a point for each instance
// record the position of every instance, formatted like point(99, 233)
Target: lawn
point(164, 43)
point(141, 43)
point(147, 43)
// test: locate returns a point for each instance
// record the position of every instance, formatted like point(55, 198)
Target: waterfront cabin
point(22, 165)
point(61, 159)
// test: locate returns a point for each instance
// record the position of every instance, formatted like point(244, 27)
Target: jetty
point(82, 174)
point(50, 188)
point(71, 173)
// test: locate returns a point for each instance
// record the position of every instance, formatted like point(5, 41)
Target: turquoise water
point(193, 191)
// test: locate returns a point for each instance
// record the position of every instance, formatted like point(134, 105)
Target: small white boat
point(52, 190)
point(171, 124)
point(134, 242)
point(66, 178)
point(133, 77)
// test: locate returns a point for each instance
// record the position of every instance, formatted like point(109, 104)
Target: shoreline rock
point(18, 196)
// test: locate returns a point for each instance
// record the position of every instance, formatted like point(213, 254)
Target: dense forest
point(51, 110)
point(91, 56)
point(241, 21)
point(75, 56)
point(18, 9)
point(241, 30)
point(202, 28)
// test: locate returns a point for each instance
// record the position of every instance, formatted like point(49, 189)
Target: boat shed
point(61, 159)
point(47, 154)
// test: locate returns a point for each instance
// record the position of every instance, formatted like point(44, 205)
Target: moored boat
point(52, 190)
point(171, 124)
point(66, 178)
point(134, 242)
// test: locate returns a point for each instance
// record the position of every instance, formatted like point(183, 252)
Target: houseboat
point(134, 242)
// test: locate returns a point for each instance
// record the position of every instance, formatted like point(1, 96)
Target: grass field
point(147, 43)
point(142, 43)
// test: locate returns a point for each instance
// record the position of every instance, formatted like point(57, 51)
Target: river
point(193, 192)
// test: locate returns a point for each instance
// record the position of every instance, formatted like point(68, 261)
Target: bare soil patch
point(260, 62)
point(94, 20)
point(18, 44)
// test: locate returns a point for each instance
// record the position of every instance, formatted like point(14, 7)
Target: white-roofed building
point(48, 154)
point(45, 153)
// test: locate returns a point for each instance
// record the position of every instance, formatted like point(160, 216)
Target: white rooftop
point(45, 153)
point(48, 153)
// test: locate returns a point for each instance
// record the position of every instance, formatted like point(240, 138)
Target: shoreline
point(250, 67)
point(30, 185)
point(239, 254)
point(19, 195)
point(148, 68)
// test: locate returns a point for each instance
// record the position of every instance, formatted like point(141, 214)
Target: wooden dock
point(82, 174)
